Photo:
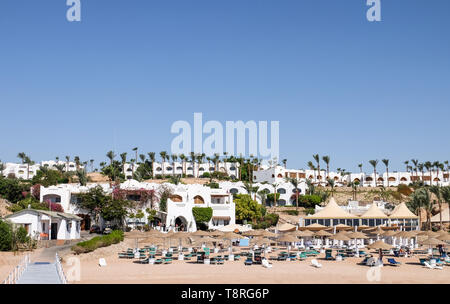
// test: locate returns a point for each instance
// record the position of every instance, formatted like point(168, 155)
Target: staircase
point(40, 273)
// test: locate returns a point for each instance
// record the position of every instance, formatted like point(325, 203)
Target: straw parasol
point(261, 240)
point(380, 245)
point(216, 233)
point(357, 235)
point(200, 233)
point(362, 227)
point(444, 237)
point(232, 236)
point(389, 233)
point(314, 227)
point(253, 233)
point(322, 233)
point(340, 237)
point(342, 227)
point(429, 234)
point(269, 234)
point(287, 239)
point(432, 242)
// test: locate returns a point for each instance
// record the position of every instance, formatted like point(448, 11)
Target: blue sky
point(338, 84)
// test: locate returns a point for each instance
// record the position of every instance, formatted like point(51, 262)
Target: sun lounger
point(266, 264)
point(248, 262)
point(302, 256)
point(158, 261)
point(167, 261)
point(393, 262)
point(328, 255)
point(427, 265)
point(315, 263)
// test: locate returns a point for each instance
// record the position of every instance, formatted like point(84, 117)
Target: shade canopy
point(402, 212)
point(332, 211)
point(374, 213)
point(380, 245)
point(342, 227)
point(287, 239)
point(231, 236)
point(432, 242)
point(357, 235)
point(233, 228)
point(268, 234)
point(261, 241)
point(253, 233)
point(286, 227)
point(322, 233)
point(431, 234)
point(200, 233)
point(340, 237)
point(389, 233)
point(314, 227)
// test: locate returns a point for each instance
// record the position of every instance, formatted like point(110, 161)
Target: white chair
point(315, 263)
point(427, 265)
point(266, 264)
point(102, 262)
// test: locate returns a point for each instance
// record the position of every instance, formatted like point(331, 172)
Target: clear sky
point(338, 84)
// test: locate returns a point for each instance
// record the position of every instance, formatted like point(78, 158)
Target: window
point(134, 197)
point(281, 191)
point(234, 191)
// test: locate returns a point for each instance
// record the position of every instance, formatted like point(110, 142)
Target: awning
point(221, 218)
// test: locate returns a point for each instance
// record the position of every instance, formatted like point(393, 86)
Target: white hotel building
point(20, 170)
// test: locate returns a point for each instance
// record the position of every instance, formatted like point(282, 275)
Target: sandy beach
point(120, 271)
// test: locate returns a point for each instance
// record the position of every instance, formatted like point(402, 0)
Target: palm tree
point(225, 161)
point(446, 166)
point(22, 156)
point(438, 166)
point(326, 159)
point(415, 163)
point(294, 182)
point(123, 158)
point(92, 165)
point(331, 183)
point(152, 157)
point(111, 156)
point(183, 161)
point(67, 163)
point(406, 164)
point(420, 167)
point(29, 162)
point(313, 168)
point(428, 165)
point(445, 192)
point(436, 190)
point(386, 163)
point(374, 164)
point(317, 159)
point(76, 159)
point(285, 163)
point(192, 154)
point(275, 201)
point(174, 159)
point(263, 197)
point(2, 167)
point(163, 155)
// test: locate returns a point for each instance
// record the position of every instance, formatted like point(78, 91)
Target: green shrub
point(309, 201)
point(291, 212)
point(5, 236)
point(310, 211)
point(202, 215)
point(114, 237)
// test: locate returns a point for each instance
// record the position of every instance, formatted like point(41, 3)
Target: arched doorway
point(181, 224)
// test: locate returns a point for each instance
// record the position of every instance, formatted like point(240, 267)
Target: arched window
point(356, 180)
point(392, 179)
point(281, 191)
point(234, 191)
point(176, 198)
point(280, 175)
point(380, 179)
point(198, 200)
point(232, 168)
point(369, 179)
point(403, 179)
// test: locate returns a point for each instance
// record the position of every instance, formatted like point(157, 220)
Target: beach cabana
point(401, 216)
point(374, 217)
point(332, 215)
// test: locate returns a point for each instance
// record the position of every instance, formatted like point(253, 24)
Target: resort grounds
point(124, 271)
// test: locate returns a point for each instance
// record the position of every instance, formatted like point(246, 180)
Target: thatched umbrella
point(429, 234)
point(259, 240)
point(286, 238)
point(432, 242)
point(136, 234)
point(322, 233)
point(200, 233)
point(340, 237)
point(269, 234)
point(445, 237)
point(357, 235)
point(362, 227)
point(231, 236)
point(380, 245)
point(216, 233)
point(253, 233)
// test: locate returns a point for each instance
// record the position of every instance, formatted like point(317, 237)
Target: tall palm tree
point(22, 156)
point(275, 201)
point(151, 156)
point(374, 164)
point(326, 159)
point(76, 159)
point(225, 161)
point(183, 161)
point(428, 165)
point(192, 155)
point(317, 159)
point(436, 190)
point(163, 155)
point(92, 165)
point(407, 165)
point(421, 167)
point(174, 159)
point(294, 182)
point(446, 167)
point(386, 163)
point(123, 158)
point(67, 163)
point(29, 162)
point(313, 168)
point(438, 166)
point(111, 155)
point(285, 163)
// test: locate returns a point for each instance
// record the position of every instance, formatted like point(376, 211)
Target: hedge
point(114, 237)
point(202, 215)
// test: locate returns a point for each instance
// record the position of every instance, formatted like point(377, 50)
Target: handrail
point(18, 271)
point(60, 270)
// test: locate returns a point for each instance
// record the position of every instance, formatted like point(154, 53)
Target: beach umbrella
point(357, 235)
point(389, 233)
point(362, 227)
point(380, 245)
point(269, 234)
point(231, 236)
point(342, 227)
point(445, 237)
point(314, 227)
point(253, 233)
point(322, 233)
point(286, 238)
point(432, 242)
point(200, 233)
point(216, 233)
point(340, 237)
point(136, 234)
point(429, 234)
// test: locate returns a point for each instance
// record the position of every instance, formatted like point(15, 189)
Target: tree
point(374, 164)
point(94, 200)
point(317, 159)
point(202, 215)
point(115, 210)
point(111, 155)
point(386, 163)
point(331, 183)
point(326, 159)
point(123, 158)
point(436, 190)
point(247, 209)
point(163, 155)
point(294, 182)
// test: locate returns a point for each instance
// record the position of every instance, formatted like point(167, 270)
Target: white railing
point(15, 274)
point(60, 270)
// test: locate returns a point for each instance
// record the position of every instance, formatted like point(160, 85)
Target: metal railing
point(18, 271)
point(60, 270)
